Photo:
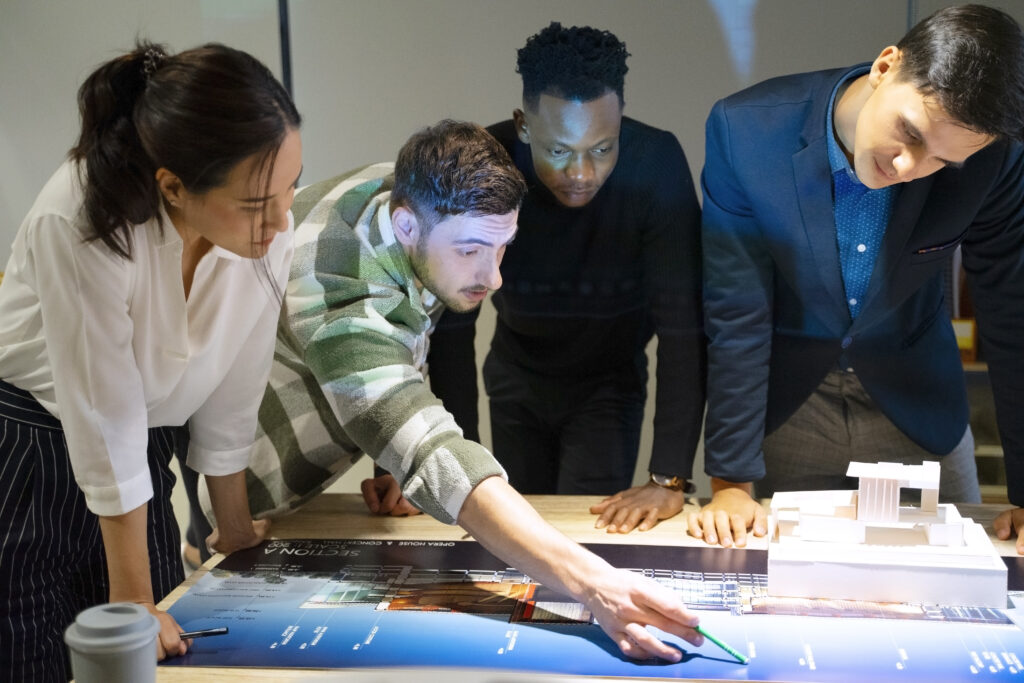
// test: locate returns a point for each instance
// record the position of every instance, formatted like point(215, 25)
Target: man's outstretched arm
point(623, 602)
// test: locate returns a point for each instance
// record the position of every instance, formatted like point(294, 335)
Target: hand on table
point(225, 540)
point(168, 643)
point(1009, 522)
point(383, 496)
point(235, 528)
point(728, 516)
point(640, 507)
point(625, 603)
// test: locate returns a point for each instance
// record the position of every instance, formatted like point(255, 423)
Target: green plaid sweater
point(349, 369)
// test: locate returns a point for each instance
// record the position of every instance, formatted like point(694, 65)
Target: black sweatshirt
point(586, 288)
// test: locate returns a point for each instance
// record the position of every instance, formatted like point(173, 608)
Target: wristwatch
point(671, 482)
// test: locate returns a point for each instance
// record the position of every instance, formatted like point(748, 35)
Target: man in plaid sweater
point(378, 256)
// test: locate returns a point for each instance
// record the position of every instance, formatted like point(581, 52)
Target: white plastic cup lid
point(113, 627)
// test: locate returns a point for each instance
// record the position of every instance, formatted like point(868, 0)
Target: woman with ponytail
point(142, 293)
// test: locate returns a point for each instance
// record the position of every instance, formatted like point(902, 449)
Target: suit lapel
point(813, 179)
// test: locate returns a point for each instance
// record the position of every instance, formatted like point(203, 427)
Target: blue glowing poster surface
point(366, 603)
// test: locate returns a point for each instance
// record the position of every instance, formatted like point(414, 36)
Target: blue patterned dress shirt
point(861, 215)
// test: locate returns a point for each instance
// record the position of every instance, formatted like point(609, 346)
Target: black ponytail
point(119, 177)
point(198, 114)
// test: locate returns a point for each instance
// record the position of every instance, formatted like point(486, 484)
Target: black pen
point(204, 633)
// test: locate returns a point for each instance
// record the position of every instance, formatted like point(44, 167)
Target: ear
point(406, 226)
point(522, 130)
point(884, 65)
point(171, 187)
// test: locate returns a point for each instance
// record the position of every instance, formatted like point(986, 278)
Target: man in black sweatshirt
point(607, 256)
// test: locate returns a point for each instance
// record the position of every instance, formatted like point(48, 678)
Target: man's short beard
point(422, 272)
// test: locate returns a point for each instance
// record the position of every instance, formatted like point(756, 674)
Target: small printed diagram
point(483, 592)
point(863, 545)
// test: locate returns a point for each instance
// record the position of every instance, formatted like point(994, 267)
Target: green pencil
point(739, 658)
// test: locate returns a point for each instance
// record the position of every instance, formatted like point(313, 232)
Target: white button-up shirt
point(111, 347)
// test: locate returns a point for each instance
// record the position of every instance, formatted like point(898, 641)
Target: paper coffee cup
point(113, 643)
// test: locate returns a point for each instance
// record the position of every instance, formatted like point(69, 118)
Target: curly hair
point(578, 63)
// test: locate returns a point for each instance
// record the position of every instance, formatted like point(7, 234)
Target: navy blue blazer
point(775, 308)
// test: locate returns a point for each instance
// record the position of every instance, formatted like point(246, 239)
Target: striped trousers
point(52, 563)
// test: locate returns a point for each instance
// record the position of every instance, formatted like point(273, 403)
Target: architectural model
point(862, 545)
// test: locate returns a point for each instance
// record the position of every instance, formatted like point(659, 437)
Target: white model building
point(861, 545)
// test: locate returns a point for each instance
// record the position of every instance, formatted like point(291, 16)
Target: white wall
point(367, 73)
point(47, 48)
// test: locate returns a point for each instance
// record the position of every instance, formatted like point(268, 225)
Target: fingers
point(625, 520)
point(403, 508)
point(1002, 526)
point(680, 627)
point(392, 494)
point(612, 516)
point(383, 496)
point(260, 531)
point(724, 527)
point(212, 541)
point(649, 521)
point(634, 602)
point(760, 527)
point(707, 523)
point(641, 644)
point(666, 611)
point(1006, 523)
point(739, 531)
point(367, 486)
point(630, 647)
point(168, 642)
point(603, 505)
point(719, 526)
point(261, 527)
point(693, 525)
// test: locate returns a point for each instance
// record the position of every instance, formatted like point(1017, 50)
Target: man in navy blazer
point(832, 204)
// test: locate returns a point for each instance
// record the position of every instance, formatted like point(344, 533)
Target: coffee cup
point(113, 643)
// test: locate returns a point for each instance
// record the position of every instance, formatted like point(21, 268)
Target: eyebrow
point(484, 243)
point(912, 129)
point(557, 142)
point(258, 200)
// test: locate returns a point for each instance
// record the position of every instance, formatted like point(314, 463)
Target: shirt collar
point(836, 158)
point(220, 252)
point(169, 235)
point(380, 236)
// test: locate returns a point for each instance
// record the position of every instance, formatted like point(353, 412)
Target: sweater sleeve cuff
point(441, 485)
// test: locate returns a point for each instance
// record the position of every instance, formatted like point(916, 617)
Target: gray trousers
point(839, 424)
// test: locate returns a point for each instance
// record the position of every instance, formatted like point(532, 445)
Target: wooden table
point(345, 516)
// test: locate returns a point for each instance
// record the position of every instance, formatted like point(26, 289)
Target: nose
point(907, 166)
point(581, 169)
point(491, 278)
point(275, 217)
